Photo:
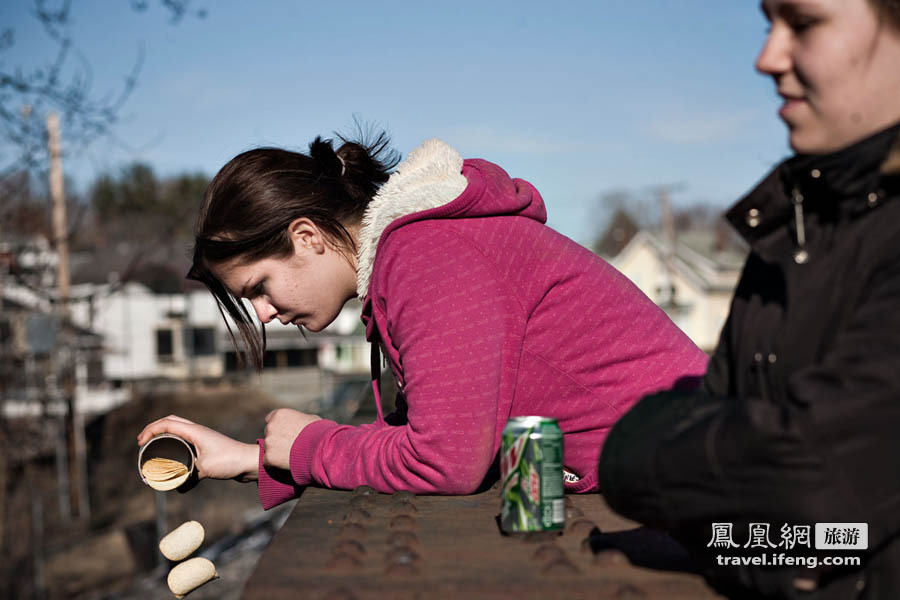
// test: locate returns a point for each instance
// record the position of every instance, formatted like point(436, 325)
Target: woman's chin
point(802, 142)
point(312, 326)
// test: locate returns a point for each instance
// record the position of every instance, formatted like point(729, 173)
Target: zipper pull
point(758, 366)
point(801, 256)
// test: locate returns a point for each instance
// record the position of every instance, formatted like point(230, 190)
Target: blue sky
point(578, 97)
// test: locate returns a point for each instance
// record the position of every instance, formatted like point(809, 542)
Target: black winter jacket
point(798, 421)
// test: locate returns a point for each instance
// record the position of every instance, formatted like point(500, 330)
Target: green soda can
point(531, 472)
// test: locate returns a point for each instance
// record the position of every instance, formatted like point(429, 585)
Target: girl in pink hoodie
point(482, 312)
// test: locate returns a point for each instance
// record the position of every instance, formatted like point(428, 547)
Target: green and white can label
point(531, 471)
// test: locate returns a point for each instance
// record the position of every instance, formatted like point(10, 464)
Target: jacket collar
point(891, 165)
point(849, 176)
point(429, 177)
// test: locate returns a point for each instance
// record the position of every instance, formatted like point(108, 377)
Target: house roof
point(695, 255)
point(12, 306)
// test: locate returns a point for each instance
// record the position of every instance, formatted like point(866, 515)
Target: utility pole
point(66, 351)
point(667, 291)
point(60, 225)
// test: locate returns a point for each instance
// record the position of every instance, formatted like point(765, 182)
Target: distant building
point(692, 278)
point(622, 227)
point(164, 339)
point(30, 363)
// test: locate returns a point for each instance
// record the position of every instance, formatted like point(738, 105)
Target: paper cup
point(171, 446)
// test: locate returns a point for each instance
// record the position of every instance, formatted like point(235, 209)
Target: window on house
point(164, 345)
point(232, 363)
point(665, 294)
point(303, 357)
point(203, 341)
point(95, 371)
point(5, 332)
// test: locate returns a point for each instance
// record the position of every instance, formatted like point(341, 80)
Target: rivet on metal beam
point(366, 502)
point(611, 558)
point(540, 537)
point(351, 547)
point(629, 592)
point(402, 538)
point(404, 508)
point(402, 523)
point(401, 555)
point(581, 527)
point(548, 552)
point(403, 496)
point(358, 515)
point(573, 513)
point(560, 566)
point(352, 531)
point(342, 560)
point(364, 490)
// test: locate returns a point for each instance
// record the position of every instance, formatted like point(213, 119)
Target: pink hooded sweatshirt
point(483, 313)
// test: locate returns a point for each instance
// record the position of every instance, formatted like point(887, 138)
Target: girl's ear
point(306, 236)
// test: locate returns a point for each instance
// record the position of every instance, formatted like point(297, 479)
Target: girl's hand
point(283, 425)
point(218, 456)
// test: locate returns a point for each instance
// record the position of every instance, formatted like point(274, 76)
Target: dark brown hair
point(251, 201)
point(889, 10)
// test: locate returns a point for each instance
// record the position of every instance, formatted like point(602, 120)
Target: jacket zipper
point(761, 383)
point(762, 365)
point(801, 256)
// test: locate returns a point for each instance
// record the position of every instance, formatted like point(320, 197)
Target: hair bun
point(323, 153)
point(365, 166)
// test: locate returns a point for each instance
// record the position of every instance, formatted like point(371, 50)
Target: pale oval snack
point(182, 541)
point(164, 474)
point(165, 486)
point(187, 576)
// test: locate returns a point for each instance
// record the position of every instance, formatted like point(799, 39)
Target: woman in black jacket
point(798, 421)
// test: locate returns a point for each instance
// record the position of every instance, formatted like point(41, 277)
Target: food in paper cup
point(166, 462)
point(164, 474)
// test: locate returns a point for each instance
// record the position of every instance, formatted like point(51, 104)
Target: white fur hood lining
point(431, 176)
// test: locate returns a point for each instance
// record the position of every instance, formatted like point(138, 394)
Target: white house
point(152, 337)
point(692, 279)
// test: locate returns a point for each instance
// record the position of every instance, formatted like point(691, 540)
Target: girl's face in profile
point(837, 67)
point(307, 288)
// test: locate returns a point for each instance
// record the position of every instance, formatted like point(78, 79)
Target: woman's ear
point(306, 236)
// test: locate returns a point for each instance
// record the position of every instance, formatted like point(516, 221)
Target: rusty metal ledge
point(362, 545)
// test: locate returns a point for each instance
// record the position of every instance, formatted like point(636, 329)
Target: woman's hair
point(252, 200)
point(888, 10)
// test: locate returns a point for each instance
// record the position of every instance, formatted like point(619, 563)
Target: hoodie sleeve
point(453, 324)
point(274, 486)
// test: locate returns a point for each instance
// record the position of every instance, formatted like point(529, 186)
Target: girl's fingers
point(154, 425)
point(181, 427)
point(171, 418)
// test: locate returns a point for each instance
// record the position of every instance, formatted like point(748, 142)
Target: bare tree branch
point(64, 85)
